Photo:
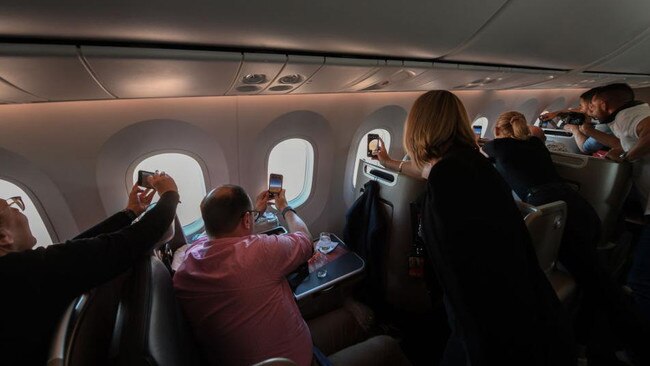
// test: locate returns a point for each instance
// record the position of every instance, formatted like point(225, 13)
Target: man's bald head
point(223, 208)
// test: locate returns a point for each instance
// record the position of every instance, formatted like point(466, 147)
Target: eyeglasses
point(256, 214)
point(16, 201)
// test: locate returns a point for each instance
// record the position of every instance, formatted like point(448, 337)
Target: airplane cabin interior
point(216, 93)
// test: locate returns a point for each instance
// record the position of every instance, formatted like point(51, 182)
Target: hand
point(139, 199)
point(548, 115)
point(381, 154)
point(281, 200)
point(586, 128)
point(262, 201)
point(614, 154)
point(162, 183)
point(572, 128)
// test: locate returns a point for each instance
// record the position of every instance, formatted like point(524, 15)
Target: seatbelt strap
point(321, 358)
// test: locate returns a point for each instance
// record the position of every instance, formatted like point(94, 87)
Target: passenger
point(526, 165)
point(233, 288)
point(37, 285)
point(501, 308)
point(630, 121)
point(587, 144)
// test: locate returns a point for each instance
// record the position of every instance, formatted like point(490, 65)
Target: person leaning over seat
point(234, 292)
point(587, 144)
point(526, 165)
point(37, 284)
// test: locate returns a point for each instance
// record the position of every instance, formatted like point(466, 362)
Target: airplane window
point(480, 126)
point(294, 159)
point(363, 149)
point(187, 174)
point(36, 223)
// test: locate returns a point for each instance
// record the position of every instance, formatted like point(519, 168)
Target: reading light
point(254, 79)
point(291, 79)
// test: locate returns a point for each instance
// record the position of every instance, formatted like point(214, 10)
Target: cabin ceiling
point(90, 50)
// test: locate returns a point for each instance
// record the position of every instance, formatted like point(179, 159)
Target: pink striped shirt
point(240, 306)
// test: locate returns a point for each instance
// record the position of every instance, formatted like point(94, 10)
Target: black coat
point(366, 232)
point(505, 309)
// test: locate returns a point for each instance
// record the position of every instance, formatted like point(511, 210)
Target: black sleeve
point(113, 223)
point(489, 149)
point(80, 264)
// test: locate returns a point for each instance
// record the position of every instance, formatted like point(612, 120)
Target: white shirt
point(624, 127)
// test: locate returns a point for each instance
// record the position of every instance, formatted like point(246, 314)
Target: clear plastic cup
point(325, 244)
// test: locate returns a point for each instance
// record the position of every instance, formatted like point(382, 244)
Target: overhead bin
point(51, 72)
point(338, 75)
point(534, 33)
point(257, 72)
point(11, 94)
point(392, 74)
point(633, 59)
point(455, 76)
point(296, 72)
point(589, 80)
point(148, 72)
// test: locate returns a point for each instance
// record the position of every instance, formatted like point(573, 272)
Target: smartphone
point(477, 130)
point(373, 143)
point(275, 184)
point(142, 178)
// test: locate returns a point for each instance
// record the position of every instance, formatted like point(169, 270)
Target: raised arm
point(139, 200)
point(406, 167)
point(602, 137)
point(294, 222)
point(85, 263)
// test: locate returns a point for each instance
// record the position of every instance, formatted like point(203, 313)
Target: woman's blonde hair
point(437, 120)
point(512, 124)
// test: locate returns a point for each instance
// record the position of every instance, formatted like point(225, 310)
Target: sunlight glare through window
point(294, 159)
point(188, 176)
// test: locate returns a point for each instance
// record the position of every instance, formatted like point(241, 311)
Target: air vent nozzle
point(254, 79)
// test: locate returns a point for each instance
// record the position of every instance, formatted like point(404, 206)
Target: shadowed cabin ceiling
point(90, 50)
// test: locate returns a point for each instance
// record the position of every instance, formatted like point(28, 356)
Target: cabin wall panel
point(65, 140)
point(643, 94)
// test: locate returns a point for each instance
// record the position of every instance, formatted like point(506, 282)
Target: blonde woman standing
point(500, 306)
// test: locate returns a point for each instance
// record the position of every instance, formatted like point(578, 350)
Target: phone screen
point(478, 130)
point(142, 178)
point(275, 183)
point(373, 143)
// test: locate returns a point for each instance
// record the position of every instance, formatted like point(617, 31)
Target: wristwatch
point(286, 209)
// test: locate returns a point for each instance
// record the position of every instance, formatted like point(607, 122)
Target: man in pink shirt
point(233, 288)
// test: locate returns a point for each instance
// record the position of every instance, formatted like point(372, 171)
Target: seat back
point(150, 328)
point(603, 183)
point(396, 192)
point(132, 319)
point(545, 224)
point(563, 138)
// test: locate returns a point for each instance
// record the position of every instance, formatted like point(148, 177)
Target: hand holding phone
point(143, 180)
point(373, 144)
point(275, 184)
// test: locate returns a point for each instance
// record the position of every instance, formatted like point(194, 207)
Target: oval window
point(294, 159)
point(36, 222)
point(187, 174)
point(362, 150)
